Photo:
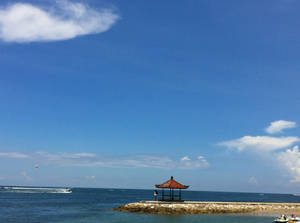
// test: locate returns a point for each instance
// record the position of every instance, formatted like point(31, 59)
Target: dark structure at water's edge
point(194, 207)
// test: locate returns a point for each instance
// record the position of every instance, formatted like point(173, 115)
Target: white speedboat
point(281, 219)
point(38, 190)
point(68, 190)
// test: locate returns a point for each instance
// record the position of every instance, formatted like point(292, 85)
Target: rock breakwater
point(189, 207)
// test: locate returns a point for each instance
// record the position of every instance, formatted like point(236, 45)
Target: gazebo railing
point(171, 196)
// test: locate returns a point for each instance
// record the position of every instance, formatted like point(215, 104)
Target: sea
point(91, 205)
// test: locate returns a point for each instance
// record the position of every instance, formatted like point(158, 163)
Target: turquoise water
point(94, 205)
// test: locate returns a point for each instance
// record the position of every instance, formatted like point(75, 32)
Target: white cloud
point(253, 180)
point(278, 126)
point(185, 158)
point(26, 177)
point(199, 163)
point(262, 143)
point(62, 156)
point(24, 22)
point(129, 161)
point(91, 159)
point(290, 160)
point(271, 148)
point(78, 155)
point(14, 155)
point(90, 177)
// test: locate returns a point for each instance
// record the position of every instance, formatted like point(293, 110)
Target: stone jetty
point(195, 207)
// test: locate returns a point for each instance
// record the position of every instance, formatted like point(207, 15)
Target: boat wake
point(36, 190)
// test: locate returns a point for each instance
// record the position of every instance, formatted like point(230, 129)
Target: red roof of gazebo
point(173, 184)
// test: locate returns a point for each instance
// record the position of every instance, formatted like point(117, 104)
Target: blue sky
point(112, 94)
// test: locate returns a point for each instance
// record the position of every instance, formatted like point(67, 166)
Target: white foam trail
point(38, 190)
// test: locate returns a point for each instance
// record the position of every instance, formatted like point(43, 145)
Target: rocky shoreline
point(190, 207)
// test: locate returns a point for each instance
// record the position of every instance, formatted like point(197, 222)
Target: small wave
point(37, 190)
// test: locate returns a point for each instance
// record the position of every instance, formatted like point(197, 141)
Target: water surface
point(94, 205)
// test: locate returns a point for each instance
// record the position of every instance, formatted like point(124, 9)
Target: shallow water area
point(95, 205)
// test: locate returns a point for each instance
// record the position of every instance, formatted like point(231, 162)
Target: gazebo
point(171, 185)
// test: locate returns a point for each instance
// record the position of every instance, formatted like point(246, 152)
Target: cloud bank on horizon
point(272, 147)
point(24, 22)
point(14, 155)
point(93, 160)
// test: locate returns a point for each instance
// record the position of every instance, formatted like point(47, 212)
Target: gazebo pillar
point(172, 194)
point(180, 194)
